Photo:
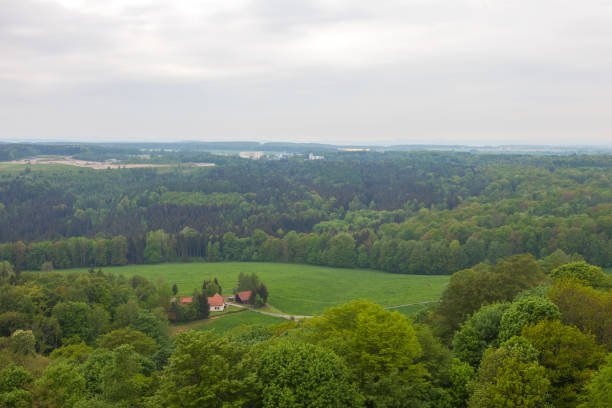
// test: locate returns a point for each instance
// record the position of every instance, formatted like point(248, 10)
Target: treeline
point(390, 252)
point(517, 333)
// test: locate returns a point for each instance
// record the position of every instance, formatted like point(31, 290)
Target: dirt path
point(197, 323)
point(281, 315)
point(412, 304)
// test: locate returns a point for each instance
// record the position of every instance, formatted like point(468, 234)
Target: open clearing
point(69, 161)
point(299, 289)
point(246, 318)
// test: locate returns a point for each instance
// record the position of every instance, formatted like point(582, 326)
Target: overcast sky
point(330, 71)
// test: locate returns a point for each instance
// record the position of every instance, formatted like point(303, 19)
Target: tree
point(6, 269)
point(262, 291)
point(60, 386)
point(151, 325)
point(471, 288)
point(525, 311)
point(211, 289)
point(23, 342)
point(126, 314)
point(200, 305)
point(510, 377)
point(478, 333)
point(569, 356)
point(380, 348)
point(584, 307)
point(174, 289)
point(341, 251)
point(461, 374)
point(121, 380)
point(207, 371)
point(141, 343)
point(296, 375)
point(584, 273)
point(598, 391)
point(73, 319)
point(13, 383)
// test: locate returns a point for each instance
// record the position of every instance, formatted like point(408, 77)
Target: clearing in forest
point(300, 289)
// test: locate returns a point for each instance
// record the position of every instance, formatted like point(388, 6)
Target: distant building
point(216, 303)
point(251, 155)
point(182, 300)
point(313, 157)
point(243, 297)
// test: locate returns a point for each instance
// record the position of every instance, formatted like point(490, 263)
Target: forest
point(524, 321)
point(401, 212)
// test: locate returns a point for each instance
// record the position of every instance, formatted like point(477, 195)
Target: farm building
point(182, 300)
point(216, 303)
point(243, 297)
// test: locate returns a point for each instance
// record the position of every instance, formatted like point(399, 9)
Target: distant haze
point(333, 71)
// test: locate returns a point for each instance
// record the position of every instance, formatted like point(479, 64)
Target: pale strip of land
point(69, 161)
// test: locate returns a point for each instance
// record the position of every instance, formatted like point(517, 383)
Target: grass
point(299, 289)
point(248, 318)
point(608, 270)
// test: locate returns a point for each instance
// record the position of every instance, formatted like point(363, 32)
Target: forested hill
point(404, 212)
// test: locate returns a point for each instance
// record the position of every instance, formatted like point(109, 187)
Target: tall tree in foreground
point(569, 356)
point(510, 377)
point(205, 371)
point(380, 348)
point(295, 375)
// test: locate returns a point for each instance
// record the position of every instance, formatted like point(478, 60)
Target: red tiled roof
point(186, 299)
point(216, 300)
point(244, 296)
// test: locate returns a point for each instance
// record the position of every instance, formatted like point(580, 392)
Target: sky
point(329, 71)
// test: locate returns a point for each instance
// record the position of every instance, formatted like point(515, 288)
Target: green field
point(299, 289)
point(247, 318)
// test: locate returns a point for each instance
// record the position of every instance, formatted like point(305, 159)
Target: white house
point(216, 303)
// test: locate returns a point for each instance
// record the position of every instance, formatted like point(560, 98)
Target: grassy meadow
point(299, 289)
point(246, 318)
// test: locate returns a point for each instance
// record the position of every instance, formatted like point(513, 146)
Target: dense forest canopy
point(404, 212)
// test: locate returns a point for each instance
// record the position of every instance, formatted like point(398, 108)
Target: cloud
point(341, 70)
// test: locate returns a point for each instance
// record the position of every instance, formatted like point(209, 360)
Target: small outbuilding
point(182, 300)
point(244, 296)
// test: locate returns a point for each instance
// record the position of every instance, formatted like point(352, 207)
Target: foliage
point(598, 392)
point(460, 376)
point(569, 356)
point(13, 383)
point(296, 375)
point(583, 272)
point(142, 343)
point(584, 307)
point(402, 212)
point(204, 371)
point(524, 312)
point(510, 377)
point(469, 289)
point(478, 333)
point(377, 346)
